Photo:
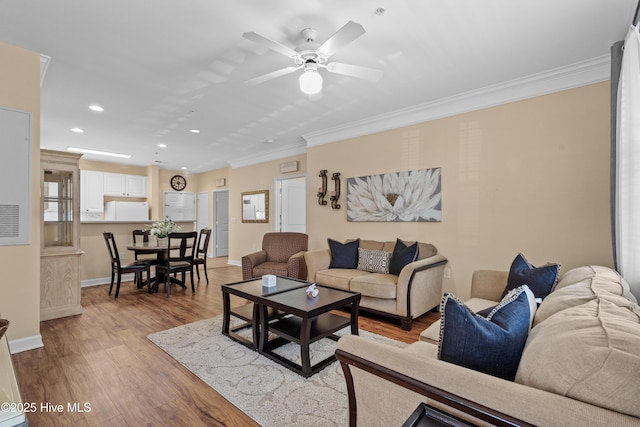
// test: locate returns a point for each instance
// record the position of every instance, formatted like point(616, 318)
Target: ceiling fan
point(312, 56)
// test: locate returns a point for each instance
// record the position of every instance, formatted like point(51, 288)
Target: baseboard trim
point(103, 280)
point(23, 344)
point(234, 262)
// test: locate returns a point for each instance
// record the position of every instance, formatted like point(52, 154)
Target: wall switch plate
point(447, 273)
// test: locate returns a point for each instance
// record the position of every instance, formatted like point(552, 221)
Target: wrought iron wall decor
point(335, 195)
point(396, 197)
point(322, 191)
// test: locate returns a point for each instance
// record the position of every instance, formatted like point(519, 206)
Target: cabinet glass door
point(58, 208)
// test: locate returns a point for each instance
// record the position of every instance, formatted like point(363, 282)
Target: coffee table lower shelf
point(291, 329)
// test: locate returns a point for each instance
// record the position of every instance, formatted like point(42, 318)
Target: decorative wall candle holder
point(335, 195)
point(322, 191)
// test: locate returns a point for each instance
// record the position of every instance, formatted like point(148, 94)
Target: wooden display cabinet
point(60, 235)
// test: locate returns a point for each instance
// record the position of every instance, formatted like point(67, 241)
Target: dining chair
point(200, 257)
point(142, 236)
point(179, 260)
point(116, 265)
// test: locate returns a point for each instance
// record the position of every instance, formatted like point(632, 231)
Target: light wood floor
point(104, 359)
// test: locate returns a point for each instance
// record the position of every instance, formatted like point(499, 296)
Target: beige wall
point(245, 238)
point(530, 177)
point(20, 264)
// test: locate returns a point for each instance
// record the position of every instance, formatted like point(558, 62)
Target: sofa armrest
point(250, 261)
point(413, 374)
point(488, 284)
point(296, 266)
point(316, 260)
point(419, 287)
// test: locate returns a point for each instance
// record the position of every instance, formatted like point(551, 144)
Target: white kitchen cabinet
point(91, 191)
point(116, 184)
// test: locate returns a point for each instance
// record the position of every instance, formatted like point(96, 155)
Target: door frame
point(277, 223)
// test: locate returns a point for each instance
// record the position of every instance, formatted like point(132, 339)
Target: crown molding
point(275, 154)
point(44, 65)
point(575, 75)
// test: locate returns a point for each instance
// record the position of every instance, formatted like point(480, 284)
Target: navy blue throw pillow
point(541, 280)
point(402, 255)
point(344, 255)
point(490, 345)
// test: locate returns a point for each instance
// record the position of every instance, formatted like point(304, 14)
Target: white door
point(293, 211)
point(221, 223)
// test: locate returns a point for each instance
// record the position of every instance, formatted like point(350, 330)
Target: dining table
point(161, 249)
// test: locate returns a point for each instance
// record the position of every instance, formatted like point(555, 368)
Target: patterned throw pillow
point(493, 345)
point(373, 261)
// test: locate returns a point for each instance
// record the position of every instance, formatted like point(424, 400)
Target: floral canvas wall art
point(395, 197)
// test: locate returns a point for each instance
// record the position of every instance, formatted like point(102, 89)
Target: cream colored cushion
point(589, 353)
point(583, 284)
point(338, 277)
point(377, 285)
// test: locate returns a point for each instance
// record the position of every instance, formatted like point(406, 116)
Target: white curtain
point(627, 221)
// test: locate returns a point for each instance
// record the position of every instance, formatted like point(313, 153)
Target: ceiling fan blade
point(272, 75)
point(345, 35)
point(271, 44)
point(366, 73)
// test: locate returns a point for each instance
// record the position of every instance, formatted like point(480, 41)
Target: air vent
point(9, 220)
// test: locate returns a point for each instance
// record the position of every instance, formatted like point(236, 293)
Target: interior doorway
point(290, 209)
point(220, 223)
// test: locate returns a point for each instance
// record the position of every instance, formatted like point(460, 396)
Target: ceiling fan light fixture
point(310, 82)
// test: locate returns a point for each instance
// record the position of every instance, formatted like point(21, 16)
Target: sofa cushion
point(338, 277)
point(540, 280)
point(277, 268)
point(589, 353)
point(376, 285)
point(373, 261)
point(344, 255)
point(492, 345)
point(583, 284)
point(402, 255)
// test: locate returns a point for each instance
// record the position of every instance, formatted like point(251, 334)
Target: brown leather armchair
point(282, 254)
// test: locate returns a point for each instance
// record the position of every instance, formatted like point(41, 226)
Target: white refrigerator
point(126, 211)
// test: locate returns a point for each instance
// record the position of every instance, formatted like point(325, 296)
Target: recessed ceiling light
point(194, 131)
point(96, 108)
point(268, 141)
point(162, 145)
point(77, 130)
point(184, 168)
point(98, 152)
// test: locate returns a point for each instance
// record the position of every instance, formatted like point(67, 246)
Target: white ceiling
point(162, 67)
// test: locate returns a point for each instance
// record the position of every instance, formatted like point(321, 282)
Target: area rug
point(267, 392)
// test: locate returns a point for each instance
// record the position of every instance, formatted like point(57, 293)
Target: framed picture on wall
point(410, 196)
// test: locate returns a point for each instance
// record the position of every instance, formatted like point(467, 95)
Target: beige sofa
point(580, 365)
point(416, 290)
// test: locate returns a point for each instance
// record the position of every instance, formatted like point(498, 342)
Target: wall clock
point(178, 182)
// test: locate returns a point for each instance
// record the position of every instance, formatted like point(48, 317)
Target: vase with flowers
point(162, 228)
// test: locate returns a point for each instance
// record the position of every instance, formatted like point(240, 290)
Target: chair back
point(140, 235)
point(185, 247)
point(281, 245)
point(113, 249)
point(203, 243)
point(144, 234)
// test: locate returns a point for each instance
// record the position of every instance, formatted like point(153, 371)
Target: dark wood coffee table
point(251, 290)
point(304, 320)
